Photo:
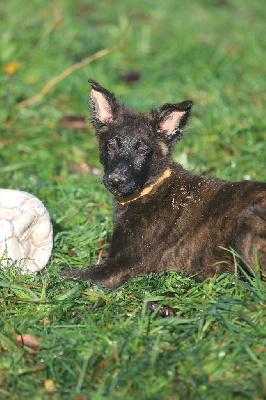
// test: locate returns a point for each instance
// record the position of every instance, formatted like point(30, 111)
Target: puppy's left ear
point(103, 104)
point(171, 120)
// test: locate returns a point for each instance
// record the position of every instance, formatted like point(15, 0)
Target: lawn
point(160, 336)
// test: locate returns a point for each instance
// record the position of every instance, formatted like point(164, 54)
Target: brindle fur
point(186, 220)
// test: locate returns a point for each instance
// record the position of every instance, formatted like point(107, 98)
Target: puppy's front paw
point(66, 272)
point(99, 274)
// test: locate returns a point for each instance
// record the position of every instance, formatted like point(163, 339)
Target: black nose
point(116, 180)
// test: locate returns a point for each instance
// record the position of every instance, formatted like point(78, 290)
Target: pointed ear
point(171, 119)
point(103, 104)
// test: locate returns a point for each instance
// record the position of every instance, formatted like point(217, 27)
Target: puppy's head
point(135, 148)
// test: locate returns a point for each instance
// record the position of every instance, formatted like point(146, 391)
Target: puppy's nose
point(116, 180)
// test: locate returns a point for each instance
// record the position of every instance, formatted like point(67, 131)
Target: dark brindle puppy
point(165, 217)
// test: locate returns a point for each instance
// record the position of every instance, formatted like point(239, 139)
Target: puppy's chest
point(152, 219)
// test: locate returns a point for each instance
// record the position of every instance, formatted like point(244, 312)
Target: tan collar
point(144, 191)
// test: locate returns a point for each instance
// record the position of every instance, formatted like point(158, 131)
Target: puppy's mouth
point(129, 194)
point(123, 191)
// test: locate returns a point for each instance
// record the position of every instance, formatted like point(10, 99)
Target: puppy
point(165, 217)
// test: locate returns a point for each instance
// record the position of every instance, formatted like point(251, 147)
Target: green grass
point(96, 344)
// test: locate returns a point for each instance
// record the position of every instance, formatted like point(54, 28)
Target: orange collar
point(145, 190)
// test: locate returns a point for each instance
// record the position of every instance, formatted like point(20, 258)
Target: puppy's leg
point(105, 273)
point(249, 235)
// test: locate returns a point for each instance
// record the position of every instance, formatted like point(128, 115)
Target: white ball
point(26, 233)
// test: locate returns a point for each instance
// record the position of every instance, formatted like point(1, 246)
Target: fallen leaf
point(257, 349)
point(130, 76)
point(74, 121)
point(168, 294)
point(4, 392)
point(79, 397)
point(100, 368)
point(45, 321)
point(163, 311)
point(101, 243)
point(31, 285)
point(3, 376)
point(11, 67)
point(31, 341)
point(72, 253)
point(49, 385)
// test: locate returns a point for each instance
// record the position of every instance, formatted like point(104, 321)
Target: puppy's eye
point(141, 151)
point(112, 146)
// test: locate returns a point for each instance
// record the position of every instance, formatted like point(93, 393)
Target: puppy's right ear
point(103, 104)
